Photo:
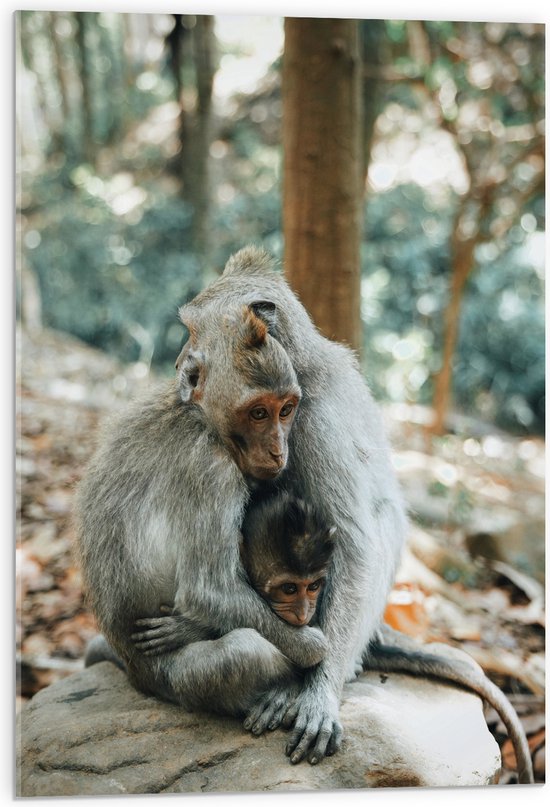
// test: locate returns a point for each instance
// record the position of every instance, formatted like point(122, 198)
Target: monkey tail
point(99, 649)
point(386, 658)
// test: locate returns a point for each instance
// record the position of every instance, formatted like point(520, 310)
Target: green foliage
point(113, 282)
point(499, 365)
point(500, 362)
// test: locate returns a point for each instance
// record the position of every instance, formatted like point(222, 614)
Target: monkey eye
point(288, 588)
point(286, 410)
point(316, 585)
point(259, 413)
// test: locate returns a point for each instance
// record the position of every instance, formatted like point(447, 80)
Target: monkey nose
point(277, 456)
point(301, 615)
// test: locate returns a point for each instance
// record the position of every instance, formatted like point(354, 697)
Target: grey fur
point(161, 508)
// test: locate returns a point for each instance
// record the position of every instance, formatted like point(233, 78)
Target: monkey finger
point(157, 650)
point(264, 711)
point(145, 638)
point(260, 725)
point(155, 642)
point(164, 631)
point(290, 715)
point(323, 739)
point(249, 723)
point(284, 708)
point(299, 742)
point(159, 647)
point(153, 622)
point(255, 714)
point(278, 716)
point(271, 715)
point(336, 739)
point(161, 641)
point(300, 751)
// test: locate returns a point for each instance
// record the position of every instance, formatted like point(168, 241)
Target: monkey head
point(242, 379)
point(286, 553)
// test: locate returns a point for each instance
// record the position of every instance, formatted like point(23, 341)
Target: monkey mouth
point(300, 622)
point(266, 472)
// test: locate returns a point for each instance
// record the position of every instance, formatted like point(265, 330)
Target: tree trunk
point(374, 55)
point(113, 83)
point(191, 48)
point(85, 83)
point(61, 76)
point(195, 167)
point(322, 177)
point(462, 265)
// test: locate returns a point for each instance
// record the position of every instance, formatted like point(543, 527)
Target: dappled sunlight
point(254, 44)
point(161, 121)
point(410, 154)
point(119, 192)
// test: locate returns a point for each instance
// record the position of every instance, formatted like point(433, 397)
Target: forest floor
point(472, 575)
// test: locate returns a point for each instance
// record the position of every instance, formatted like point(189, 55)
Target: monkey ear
point(190, 365)
point(267, 312)
point(253, 330)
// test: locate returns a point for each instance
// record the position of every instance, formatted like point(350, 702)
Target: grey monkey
point(183, 459)
point(286, 552)
point(161, 508)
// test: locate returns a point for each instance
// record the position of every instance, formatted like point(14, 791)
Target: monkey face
point(258, 434)
point(294, 599)
point(243, 380)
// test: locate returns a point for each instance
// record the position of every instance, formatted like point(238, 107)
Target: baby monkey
point(286, 552)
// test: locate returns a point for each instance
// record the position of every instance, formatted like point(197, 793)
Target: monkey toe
point(335, 740)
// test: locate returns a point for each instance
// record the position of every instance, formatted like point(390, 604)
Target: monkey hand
point(161, 634)
point(317, 731)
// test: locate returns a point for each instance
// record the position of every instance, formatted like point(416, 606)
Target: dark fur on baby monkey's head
point(286, 553)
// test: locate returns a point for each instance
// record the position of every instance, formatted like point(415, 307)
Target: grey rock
point(93, 734)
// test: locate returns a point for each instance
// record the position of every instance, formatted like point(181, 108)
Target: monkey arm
point(170, 630)
point(239, 606)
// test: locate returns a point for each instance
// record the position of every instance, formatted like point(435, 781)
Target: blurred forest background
point(149, 148)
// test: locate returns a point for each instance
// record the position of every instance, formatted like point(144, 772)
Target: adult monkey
point(159, 517)
point(338, 460)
